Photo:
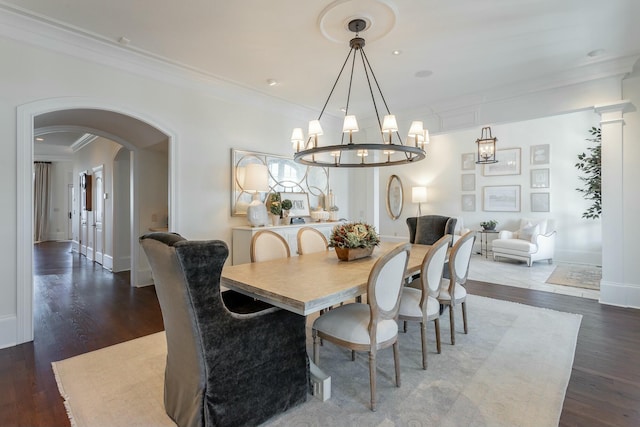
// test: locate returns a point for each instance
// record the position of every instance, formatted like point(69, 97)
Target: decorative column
point(613, 287)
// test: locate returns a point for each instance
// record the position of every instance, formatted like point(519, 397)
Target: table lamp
point(256, 179)
point(419, 196)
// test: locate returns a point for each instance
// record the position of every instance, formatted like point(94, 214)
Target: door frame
point(26, 115)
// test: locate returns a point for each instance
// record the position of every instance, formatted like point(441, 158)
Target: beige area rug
point(577, 276)
point(512, 369)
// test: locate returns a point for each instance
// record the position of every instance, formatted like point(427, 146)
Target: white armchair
point(533, 241)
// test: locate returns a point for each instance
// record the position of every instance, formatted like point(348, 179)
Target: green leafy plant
point(277, 206)
point(354, 235)
point(489, 225)
point(590, 164)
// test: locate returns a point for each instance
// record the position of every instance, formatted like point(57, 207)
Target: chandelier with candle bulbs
point(387, 151)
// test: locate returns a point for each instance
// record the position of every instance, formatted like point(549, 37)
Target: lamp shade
point(389, 123)
point(297, 139)
point(418, 194)
point(350, 124)
point(314, 128)
point(256, 178)
point(416, 129)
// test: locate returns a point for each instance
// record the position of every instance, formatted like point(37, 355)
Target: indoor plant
point(591, 165)
point(489, 225)
point(353, 240)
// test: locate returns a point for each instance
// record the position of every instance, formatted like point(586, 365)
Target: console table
point(241, 239)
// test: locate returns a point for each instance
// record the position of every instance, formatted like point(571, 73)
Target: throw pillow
point(528, 232)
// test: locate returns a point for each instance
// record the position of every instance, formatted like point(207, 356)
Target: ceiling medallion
point(386, 152)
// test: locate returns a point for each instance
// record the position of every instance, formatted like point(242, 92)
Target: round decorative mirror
point(395, 197)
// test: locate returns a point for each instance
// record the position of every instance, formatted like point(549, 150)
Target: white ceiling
point(470, 48)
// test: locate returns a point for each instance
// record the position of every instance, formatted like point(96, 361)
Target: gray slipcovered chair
point(428, 229)
point(231, 361)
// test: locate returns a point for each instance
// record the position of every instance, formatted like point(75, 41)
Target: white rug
point(512, 369)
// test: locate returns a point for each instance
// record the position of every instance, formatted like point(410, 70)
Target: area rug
point(577, 276)
point(512, 369)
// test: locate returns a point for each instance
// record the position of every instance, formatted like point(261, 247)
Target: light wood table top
point(306, 284)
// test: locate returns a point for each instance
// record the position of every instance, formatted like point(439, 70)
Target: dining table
point(306, 284)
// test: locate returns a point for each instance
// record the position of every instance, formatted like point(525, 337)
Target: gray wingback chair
point(428, 229)
point(231, 361)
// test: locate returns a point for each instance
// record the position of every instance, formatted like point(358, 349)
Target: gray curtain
point(41, 194)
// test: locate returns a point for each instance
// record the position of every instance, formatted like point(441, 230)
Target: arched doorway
point(118, 123)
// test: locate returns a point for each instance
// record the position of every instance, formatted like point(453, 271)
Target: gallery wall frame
point(501, 198)
point(395, 197)
point(299, 203)
point(540, 154)
point(468, 161)
point(468, 182)
point(468, 202)
point(540, 178)
point(508, 163)
point(540, 202)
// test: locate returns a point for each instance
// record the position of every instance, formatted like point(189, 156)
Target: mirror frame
point(395, 203)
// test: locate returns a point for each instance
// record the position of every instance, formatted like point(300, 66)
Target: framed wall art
point(508, 163)
point(468, 202)
point(540, 202)
point(468, 182)
point(468, 161)
point(299, 203)
point(540, 154)
point(539, 178)
point(501, 198)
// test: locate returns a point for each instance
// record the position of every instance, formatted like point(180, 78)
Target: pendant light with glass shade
point(388, 151)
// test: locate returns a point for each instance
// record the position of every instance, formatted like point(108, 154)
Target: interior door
point(83, 214)
point(70, 202)
point(98, 214)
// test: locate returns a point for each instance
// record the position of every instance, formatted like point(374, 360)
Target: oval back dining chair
point(419, 302)
point(267, 245)
point(452, 291)
point(311, 240)
point(372, 326)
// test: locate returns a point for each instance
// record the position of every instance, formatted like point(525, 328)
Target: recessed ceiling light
point(596, 52)
point(39, 139)
point(272, 82)
point(423, 73)
point(397, 52)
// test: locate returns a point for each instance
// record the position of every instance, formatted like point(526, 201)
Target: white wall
point(578, 240)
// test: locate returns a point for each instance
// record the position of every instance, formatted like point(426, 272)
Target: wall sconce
point(419, 196)
point(256, 180)
point(486, 147)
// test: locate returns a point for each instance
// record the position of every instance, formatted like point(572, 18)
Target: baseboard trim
point(620, 294)
point(145, 278)
point(8, 336)
point(107, 262)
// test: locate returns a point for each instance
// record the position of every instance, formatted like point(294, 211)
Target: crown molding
point(82, 142)
point(25, 27)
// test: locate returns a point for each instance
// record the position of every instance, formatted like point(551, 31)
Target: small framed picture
point(468, 182)
point(468, 161)
point(540, 154)
point(468, 202)
point(508, 163)
point(501, 198)
point(540, 202)
point(299, 203)
point(539, 178)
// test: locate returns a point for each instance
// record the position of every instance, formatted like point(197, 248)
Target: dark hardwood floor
point(79, 307)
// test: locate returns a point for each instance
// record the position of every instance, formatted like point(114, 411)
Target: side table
point(484, 241)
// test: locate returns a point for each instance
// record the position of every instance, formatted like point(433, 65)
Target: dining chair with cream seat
point(419, 302)
point(267, 245)
point(311, 240)
point(372, 326)
point(452, 292)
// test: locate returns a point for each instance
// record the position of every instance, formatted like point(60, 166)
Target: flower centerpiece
point(353, 240)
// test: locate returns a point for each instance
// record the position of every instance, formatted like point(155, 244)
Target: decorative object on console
point(383, 153)
point(353, 240)
point(330, 205)
point(395, 197)
point(486, 147)
point(419, 196)
point(299, 204)
point(320, 215)
point(256, 179)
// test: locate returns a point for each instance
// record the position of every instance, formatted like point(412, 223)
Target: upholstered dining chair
point(419, 302)
point(427, 229)
point(267, 245)
point(452, 291)
point(224, 366)
point(372, 326)
point(311, 240)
